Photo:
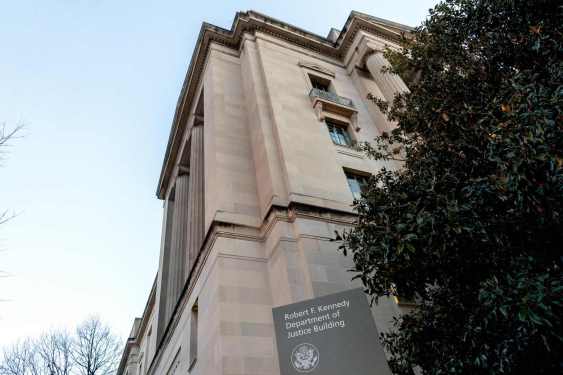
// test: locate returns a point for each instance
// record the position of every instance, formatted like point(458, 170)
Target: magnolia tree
point(92, 350)
point(471, 226)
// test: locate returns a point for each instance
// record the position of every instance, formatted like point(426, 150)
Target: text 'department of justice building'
point(329, 335)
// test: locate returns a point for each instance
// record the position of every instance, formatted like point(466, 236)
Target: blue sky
point(96, 83)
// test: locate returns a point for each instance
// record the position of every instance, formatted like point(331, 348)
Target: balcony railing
point(329, 96)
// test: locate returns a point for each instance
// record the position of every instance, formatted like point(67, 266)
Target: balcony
point(331, 97)
point(328, 102)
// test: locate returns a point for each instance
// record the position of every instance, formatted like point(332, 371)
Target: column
point(164, 270)
point(196, 215)
point(389, 83)
point(176, 274)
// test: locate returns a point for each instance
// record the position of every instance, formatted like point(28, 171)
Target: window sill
point(349, 151)
point(328, 103)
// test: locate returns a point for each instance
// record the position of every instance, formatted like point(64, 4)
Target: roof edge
point(250, 21)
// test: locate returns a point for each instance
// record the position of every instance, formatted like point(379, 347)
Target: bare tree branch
point(54, 351)
point(19, 359)
point(96, 349)
point(93, 350)
point(6, 136)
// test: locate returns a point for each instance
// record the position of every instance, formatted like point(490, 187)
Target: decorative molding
point(242, 257)
point(349, 152)
point(327, 104)
point(128, 357)
point(250, 23)
point(198, 120)
point(227, 230)
point(319, 238)
point(183, 169)
point(316, 67)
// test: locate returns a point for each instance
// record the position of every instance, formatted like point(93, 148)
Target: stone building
point(258, 174)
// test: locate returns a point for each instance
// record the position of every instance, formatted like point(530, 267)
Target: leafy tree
point(470, 225)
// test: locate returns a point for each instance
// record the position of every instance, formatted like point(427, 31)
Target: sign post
point(329, 335)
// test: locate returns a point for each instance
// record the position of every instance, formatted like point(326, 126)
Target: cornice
point(149, 306)
point(249, 23)
point(139, 330)
point(234, 231)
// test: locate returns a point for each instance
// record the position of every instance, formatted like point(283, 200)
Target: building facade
point(257, 177)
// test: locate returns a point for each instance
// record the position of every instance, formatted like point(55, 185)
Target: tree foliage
point(471, 226)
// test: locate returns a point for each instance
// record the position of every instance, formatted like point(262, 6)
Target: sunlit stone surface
point(254, 187)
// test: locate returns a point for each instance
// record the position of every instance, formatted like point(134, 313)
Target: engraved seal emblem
point(305, 358)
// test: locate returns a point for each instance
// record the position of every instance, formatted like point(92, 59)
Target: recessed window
point(147, 347)
point(175, 363)
point(339, 133)
point(193, 336)
point(357, 183)
point(319, 83)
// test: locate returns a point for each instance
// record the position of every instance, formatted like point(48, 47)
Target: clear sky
point(96, 83)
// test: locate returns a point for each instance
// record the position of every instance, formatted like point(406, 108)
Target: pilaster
point(196, 211)
point(177, 274)
point(389, 83)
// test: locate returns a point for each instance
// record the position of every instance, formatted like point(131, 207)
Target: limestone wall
point(266, 156)
point(230, 179)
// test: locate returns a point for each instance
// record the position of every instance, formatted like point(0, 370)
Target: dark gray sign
point(329, 335)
